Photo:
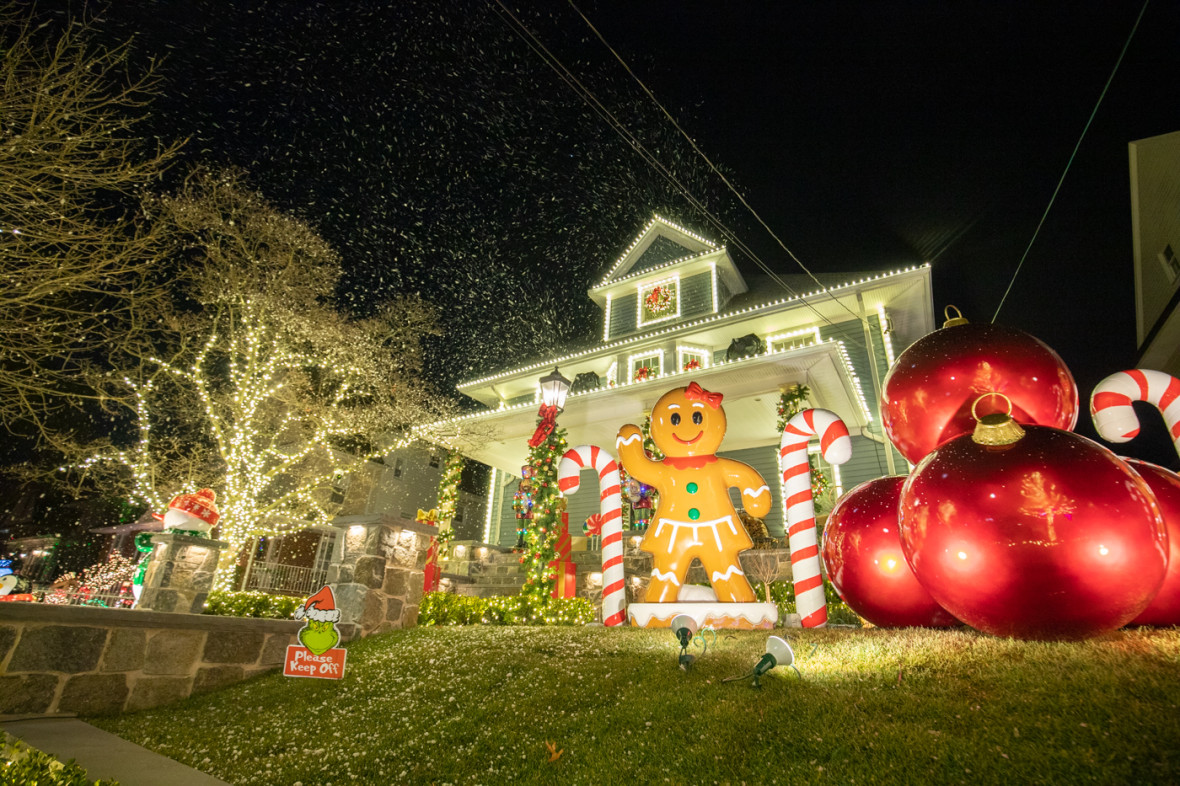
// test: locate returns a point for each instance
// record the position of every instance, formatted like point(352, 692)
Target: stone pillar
point(377, 571)
point(180, 573)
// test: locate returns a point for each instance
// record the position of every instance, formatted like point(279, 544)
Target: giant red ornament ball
point(1165, 485)
point(1049, 537)
point(927, 396)
point(863, 557)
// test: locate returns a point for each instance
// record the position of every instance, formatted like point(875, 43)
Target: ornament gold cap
point(955, 320)
point(998, 428)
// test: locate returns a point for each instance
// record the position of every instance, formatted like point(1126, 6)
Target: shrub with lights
point(442, 608)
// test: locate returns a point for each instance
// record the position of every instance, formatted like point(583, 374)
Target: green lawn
point(478, 704)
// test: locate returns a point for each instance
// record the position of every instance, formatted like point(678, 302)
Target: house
point(675, 300)
point(1155, 227)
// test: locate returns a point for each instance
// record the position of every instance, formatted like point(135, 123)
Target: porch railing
point(281, 579)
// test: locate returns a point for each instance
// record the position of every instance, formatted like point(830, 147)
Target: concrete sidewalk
point(102, 754)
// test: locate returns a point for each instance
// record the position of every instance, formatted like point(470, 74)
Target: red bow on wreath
point(548, 415)
point(696, 393)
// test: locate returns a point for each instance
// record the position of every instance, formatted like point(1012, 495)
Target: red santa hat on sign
point(320, 607)
point(199, 505)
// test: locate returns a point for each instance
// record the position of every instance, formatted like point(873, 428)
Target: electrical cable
point(592, 101)
point(1072, 156)
point(718, 172)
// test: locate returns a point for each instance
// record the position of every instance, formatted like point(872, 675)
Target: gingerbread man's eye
point(697, 418)
point(675, 418)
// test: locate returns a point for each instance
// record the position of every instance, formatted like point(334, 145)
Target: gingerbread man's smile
point(688, 441)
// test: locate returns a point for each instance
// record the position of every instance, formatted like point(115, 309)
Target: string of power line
point(1072, 156)
point(713, 167)
point(587, 96)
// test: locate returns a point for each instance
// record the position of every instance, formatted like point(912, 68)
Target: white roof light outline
point(843, 352)
point(686, 325)
point(639, 238)
point(652, 270)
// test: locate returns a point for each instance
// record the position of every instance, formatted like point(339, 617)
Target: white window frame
point(686, 351)
point(634, 363)
point(642, 289)
point(797, 339)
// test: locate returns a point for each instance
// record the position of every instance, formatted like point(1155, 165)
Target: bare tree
point(270, 395)
point(764, 566)
point(76, 252)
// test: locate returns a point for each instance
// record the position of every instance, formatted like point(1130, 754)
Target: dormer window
point(659, 301)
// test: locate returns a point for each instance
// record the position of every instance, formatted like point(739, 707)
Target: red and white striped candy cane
point(614, 596)
point(836, 447)
point(1110, 403)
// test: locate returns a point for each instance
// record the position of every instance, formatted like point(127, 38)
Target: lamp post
point(554, 389)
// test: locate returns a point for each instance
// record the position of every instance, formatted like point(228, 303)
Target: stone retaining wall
point(94, 660)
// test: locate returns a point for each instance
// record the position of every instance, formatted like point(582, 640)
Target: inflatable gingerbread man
point(694, 517)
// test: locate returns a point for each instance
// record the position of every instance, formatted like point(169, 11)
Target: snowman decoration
point(188, 514)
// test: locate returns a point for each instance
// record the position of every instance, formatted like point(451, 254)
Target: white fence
point(277, 578)
point(113, 598)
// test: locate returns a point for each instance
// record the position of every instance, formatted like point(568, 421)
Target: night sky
point(441, 155)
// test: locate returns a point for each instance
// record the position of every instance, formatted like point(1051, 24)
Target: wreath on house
point(659, 301)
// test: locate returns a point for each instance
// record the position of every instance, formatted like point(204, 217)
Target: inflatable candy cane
point(836, 447)
point(1110, 403)
point(614, 596)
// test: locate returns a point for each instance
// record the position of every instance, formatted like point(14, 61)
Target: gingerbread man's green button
point(691, 488)
point(694, 514)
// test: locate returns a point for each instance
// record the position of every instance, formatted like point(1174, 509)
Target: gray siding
point(622, 316)
point(852, 334)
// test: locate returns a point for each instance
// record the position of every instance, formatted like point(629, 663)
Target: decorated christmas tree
point(542, 530)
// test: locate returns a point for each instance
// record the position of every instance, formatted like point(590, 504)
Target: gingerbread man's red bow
point(697, 393)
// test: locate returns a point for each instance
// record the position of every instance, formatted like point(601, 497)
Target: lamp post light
point(554, 389)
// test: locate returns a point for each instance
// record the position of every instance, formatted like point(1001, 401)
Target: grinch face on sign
point(319, 637)
point(687, 425)
point(178, 519)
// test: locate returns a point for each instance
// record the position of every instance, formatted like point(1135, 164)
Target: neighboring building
point(675, 298)
point(1155, 226)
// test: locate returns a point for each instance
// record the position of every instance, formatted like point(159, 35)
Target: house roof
point(660, 247)
point(765, 306)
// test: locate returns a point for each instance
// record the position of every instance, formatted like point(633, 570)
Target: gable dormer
point(667, 276)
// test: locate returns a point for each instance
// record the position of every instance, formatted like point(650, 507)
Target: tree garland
point(542, 530)
point(448, 500)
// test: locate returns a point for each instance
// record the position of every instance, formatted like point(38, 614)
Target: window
point(646, 366)
point(658, 301)
point(692, 358)
point(794, 339)
point(1170, 263)
point(397, 468)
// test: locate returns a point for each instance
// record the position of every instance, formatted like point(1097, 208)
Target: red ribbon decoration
point(697, 393)
point(548, 422)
